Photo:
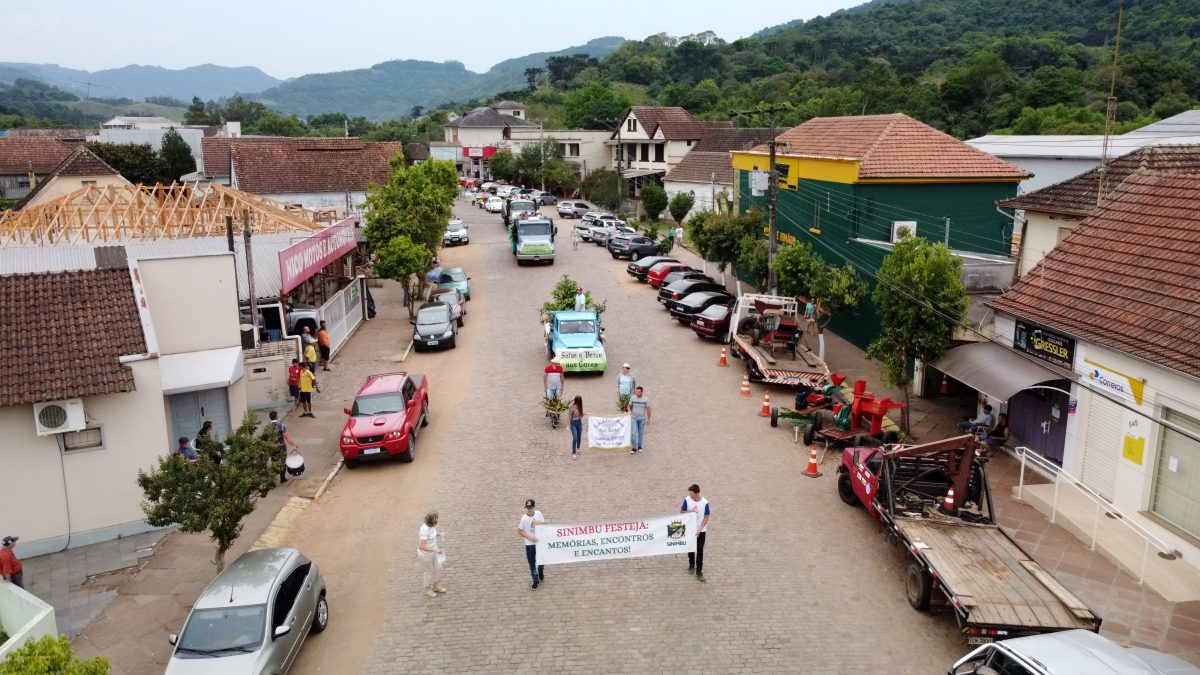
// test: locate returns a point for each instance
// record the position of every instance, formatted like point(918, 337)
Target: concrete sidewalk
point(127, 614)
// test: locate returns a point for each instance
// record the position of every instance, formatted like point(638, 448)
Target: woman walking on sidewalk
point(575, 417)
point(429, 552)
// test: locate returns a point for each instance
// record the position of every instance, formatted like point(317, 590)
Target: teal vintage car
point(453, 277)
point(576, 340)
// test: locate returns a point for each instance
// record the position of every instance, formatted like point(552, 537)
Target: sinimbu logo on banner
point(613, 539)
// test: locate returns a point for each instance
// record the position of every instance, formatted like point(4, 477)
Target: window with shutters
point(91, 438)
point(1177, 474)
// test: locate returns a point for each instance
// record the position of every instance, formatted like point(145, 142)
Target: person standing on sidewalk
point(679, 235)
point(308, 382)
point(10, 566)
point(694, 503)
point(310, 356)
point(575, 418)
point(294, 383)
point(281, 444)
point(429, 552)
point(527, 529)
point(639, 408)
point(324, 344)
point(580, 300)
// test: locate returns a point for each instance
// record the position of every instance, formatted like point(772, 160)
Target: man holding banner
point(694, 503)
point(527, 529)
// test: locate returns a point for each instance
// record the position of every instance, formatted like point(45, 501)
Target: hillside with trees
point(966, 66)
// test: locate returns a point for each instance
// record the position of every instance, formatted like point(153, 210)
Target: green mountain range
point(138, 83)
point(389, 90)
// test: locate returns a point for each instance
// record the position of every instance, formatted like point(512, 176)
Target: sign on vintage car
point(616, 539)
point(582, 360)
point(1045, 344)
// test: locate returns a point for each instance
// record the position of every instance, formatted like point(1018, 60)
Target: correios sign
point(310, 255)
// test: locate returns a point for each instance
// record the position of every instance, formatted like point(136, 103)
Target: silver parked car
point(572, 209)
point(253, 616)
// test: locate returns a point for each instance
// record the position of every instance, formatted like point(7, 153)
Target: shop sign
point(311, 254)
point(484, 152)
point(1045, 344)
point(1110, 381)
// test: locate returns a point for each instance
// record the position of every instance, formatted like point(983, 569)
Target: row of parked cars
point(689, 295)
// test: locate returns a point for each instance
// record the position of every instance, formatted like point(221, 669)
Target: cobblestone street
point(797, 581)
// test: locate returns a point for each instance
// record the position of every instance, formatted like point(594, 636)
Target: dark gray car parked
point(679, 289)
point(434, 326)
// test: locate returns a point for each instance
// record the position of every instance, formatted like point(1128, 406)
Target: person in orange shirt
point(323, 344)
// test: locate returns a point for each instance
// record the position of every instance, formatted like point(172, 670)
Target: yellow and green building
point(849, 184)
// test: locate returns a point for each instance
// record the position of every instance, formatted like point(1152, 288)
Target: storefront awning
point(638, 173)
point(994, 370)
point(193, 371)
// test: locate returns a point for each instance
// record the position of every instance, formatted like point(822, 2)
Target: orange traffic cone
point(947, 506)
point(723, 361)
point(812, 471)
point(745, 386)
point(766, 409)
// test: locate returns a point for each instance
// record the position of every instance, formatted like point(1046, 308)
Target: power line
point(926, 302)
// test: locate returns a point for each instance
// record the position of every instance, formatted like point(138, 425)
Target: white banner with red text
point(614, 539)
point(609, 433)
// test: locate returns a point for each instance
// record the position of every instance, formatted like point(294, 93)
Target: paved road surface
point(797, 581)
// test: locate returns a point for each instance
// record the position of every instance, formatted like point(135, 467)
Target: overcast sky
point(292, 38)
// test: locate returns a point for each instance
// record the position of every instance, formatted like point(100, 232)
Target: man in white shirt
point(694, 503)
point(580, 300)
point(530, 520)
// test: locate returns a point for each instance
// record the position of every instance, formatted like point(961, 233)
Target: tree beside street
point(503, 166)
point(50, 656)
point(654, 200)
point(416, 202)
point(803, 274)
point(403, 261)
point(176, 155)
point(600, 188)
point(203, 495)
point(920, 298)
point(680, 205)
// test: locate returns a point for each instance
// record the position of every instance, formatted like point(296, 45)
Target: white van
point(1071, 652)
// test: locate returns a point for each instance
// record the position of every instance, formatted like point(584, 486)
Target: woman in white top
point(429, 552)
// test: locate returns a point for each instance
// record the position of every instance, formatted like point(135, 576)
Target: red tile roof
point(724, 139)
point(1126, 278)
point(893, 146)
point(64, 332)
point(81, 162)
point(699, 166)
point(292, 165)
point(1077, 196)
point(676, 123)
point(21, 154)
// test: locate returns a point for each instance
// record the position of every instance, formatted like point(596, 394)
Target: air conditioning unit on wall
point(56, 417)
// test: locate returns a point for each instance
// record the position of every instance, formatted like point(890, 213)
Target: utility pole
point(772, 191)
point(250, 272)
point(1112, 107)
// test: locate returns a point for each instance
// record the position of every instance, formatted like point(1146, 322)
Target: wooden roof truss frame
point(113, 214)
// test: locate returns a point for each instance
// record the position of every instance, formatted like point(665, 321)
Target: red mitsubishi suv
point(388, 413)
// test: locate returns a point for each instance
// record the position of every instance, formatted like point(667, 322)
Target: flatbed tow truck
point(934, 499)
point(767, 332)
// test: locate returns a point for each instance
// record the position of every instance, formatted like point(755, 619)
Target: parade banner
point(615, 539)
point(608, 433)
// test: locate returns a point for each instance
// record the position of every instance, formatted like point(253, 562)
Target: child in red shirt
point(294, 383)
